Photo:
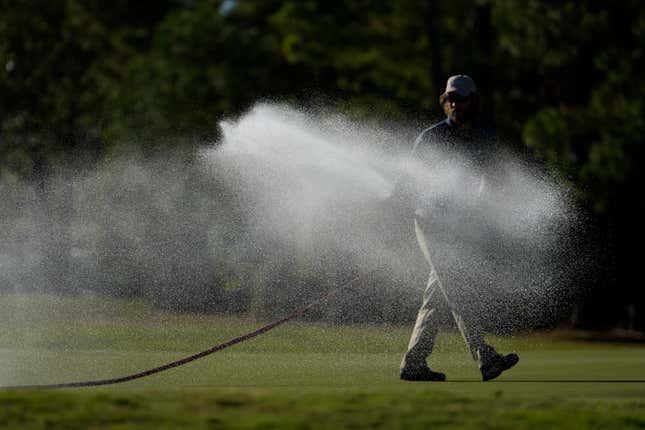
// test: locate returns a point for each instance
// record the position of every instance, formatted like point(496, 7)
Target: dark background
point(83, 81)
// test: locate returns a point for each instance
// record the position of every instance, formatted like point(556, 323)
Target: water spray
point(308, 190)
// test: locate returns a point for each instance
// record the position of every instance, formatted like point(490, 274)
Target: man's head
point(460, 101)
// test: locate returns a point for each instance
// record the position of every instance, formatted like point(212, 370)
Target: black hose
point(197, 356)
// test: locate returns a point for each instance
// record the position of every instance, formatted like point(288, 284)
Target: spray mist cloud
point(286, 205)
point(322, 187)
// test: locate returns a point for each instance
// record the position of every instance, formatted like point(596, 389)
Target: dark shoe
point(421, 374)
point(499, 364)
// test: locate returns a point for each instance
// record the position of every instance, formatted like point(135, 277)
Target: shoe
point(499, 364)
point(421, 374)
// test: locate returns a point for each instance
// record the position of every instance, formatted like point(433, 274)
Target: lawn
point(300, 376)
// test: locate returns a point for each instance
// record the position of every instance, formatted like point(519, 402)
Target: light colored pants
point(427, 324)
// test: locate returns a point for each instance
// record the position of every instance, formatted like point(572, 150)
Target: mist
point(286, 205)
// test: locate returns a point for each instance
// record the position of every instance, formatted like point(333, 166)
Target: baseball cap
point(460, 84)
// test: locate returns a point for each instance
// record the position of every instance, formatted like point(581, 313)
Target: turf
point(300, 376)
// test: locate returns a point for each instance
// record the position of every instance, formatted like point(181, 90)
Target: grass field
point(299, 376)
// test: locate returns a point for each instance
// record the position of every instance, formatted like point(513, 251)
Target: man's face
point(458, 108)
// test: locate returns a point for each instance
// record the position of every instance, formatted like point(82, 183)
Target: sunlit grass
point(301, 375)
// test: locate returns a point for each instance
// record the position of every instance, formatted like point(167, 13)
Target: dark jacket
point(452, 207)
point(478, 143)
point(444, 145)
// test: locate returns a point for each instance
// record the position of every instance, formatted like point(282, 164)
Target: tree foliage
point(80, 80)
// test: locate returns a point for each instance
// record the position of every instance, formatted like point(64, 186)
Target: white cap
point(461, 84)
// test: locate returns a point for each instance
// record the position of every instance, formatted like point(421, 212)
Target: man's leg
point(490, 362)
point(425, 328)
point(470, 331)
point(414, 365)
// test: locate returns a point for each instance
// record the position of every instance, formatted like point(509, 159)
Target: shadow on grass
point(613, 381)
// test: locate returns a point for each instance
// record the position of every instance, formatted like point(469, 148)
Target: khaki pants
point(436, 298)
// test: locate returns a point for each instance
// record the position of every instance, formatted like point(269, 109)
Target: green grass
point(299, 376)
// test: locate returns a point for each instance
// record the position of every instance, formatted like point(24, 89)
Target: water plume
point(285, 205)
point(322, 191)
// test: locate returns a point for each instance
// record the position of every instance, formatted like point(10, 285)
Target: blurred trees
point(588, 121)
point(82, 80)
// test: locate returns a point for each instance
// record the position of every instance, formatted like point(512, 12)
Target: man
point(448, 235)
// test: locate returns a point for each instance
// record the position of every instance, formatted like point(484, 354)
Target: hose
point(264, 329)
